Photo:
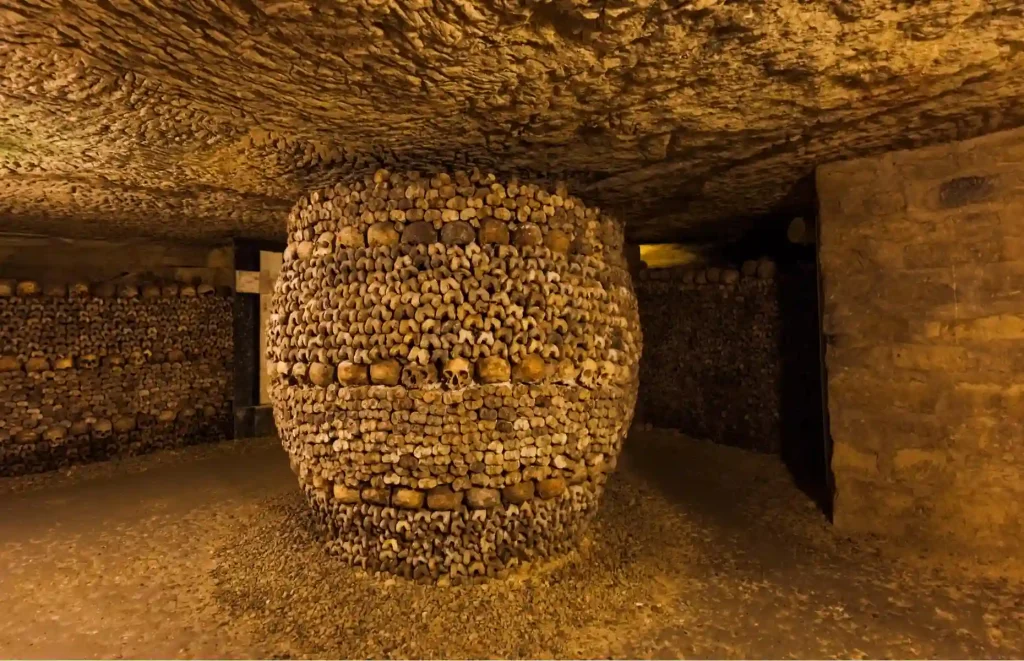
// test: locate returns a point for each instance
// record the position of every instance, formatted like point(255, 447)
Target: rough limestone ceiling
point(208, 118)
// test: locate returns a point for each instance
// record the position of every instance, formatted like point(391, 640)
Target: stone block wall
point(922, 259)
point(91, 371)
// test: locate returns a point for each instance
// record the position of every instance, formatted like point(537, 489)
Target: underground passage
point(523, 329)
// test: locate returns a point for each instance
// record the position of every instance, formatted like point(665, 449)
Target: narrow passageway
point(698, 550)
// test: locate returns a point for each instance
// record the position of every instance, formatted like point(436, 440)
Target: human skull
point(608, 372)
point(79, 428)
point(169, 290)
point(113, 360)
point(124, 424)
point(63, 363)
point(7, 288)
point(351, 374)
point(10, 364)
point(493, 369)
point(299, 372)
point(205, 290)
point(324, 245)
point(529, 369)
point(419, 233)
point(458, 233)
point(27, 436)
point(28, 288)
point(151, 291)
point(187, 291)
point(385, 372)
point(566, 373)
point(37, 364)
point(88, 361)
point(457, 373)
point(558, 241)
point(382, 234)
point(528, 234)
point(55, 435)
point(493, 230)
point(321, 374)
point(136, 358)
point(350, 237)
point(588, 373)
point(102, 429)
point(417, 376)
point(127, 291)
point(79, 289)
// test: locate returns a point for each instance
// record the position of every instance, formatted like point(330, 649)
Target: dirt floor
point(699, 551)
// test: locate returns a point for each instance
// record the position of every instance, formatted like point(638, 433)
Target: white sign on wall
point(247, 282)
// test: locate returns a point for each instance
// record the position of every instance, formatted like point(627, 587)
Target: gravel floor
point(699, 551)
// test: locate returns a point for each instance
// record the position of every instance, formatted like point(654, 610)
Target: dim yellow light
point(664, 255)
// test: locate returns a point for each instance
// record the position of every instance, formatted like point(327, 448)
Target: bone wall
point(733, 356)
point(88, 372)
point(454, 368)
point(713, 365)
point(922, 256)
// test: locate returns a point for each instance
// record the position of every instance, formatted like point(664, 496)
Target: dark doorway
point(739, 362)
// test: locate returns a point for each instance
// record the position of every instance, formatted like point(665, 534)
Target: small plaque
point(247, 282)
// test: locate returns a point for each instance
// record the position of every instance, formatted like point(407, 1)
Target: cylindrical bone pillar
point(454, 365)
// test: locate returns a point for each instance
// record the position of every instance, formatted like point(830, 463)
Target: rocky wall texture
point(455, 368)
point(135, 261)
point(713, 361)
point(91, 372)
point(208, 119)
point(922, 257)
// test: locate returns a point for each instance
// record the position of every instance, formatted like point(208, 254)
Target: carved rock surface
point(464, 412)
point(206, 119)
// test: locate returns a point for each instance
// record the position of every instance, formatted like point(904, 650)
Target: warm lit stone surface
point(205, 119)
point(922, 258)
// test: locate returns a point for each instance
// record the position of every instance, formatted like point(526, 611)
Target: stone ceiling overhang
point(204, 120)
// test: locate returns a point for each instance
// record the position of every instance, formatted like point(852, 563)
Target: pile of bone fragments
point(454, 368)
point(90, 372)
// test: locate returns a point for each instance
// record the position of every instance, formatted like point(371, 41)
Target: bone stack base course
point(454, 367)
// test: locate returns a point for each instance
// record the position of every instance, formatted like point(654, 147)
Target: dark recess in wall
point(802, 405)
point(251, 419)
point(804, 435)
point(739, 362)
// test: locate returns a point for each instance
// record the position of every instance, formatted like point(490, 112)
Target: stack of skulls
point(89, 372)
point(454, 368)
point(714, 366)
